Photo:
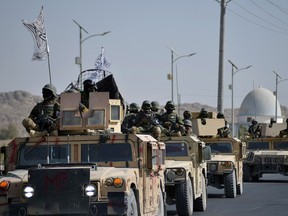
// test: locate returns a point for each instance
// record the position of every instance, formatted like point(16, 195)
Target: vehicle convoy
point(225, 169)
point(186, 174)
point(267, 153)
point(90, 168)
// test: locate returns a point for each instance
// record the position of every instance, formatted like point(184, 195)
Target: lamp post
point(78, 60)
point(171, 76)
point(276, 92)
point(232, 91)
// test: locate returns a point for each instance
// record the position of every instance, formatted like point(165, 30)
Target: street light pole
point(172, 68)
point(78, 60)
point(276, 93)
point(232, 91)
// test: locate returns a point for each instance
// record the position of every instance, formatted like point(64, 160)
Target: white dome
point(259, 102)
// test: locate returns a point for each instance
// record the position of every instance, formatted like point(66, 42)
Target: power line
point(267, 12)
point(260, 18)
point(284, 10)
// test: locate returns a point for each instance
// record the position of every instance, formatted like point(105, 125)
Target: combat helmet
point(170, 106)
point(49, 91)
point(134, 108)
point(155, 106)
point(146, 105)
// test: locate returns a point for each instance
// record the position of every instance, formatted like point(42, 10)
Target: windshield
point(220, 147)
point(176, 150)
point(281, 145)
point(43, 154)
point(104, 152)
point(258, 145)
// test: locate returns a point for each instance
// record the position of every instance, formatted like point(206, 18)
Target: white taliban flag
point(37, 29)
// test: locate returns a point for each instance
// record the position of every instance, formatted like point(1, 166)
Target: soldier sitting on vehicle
point(224, 131)
point(255, 129)
point(44, 117)
point(130, 118)
point(146, 121)
point(171, 121)
point(284, 133)
point(188, 128)
point(187, 115)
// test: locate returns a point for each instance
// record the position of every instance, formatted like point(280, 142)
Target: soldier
point(224, 131)
point(146, 121)
point(187, 115)
point(255, 129)
point(44, 116)
point(89, 86)
point(130, 118)
point(171, 121)
point(203, 113)
point(155, 107)
point(284, 133)
point(188, 127)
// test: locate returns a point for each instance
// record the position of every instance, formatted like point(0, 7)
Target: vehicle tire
point(184, 198)
point(240, 188)
point(161, 208)
point(132, 208)
point(230, 185)
point(246, 174)
point(200, 203)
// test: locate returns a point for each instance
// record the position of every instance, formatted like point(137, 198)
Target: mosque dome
point(260, 105)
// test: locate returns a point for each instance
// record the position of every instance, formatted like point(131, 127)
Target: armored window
point(176, 149)
point(71, 118)
point(281, 145)
point(258, 145)
point(43, 154)
point(220, 147)
point(104, 152)
point(97, 118)
point(115, 112)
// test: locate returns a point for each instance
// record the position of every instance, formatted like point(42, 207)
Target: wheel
point(184, 198)
point(132, 209)
point(200, 203)
point(240, 188)
point(230, 185)
point(246, 174)
point(161, 208)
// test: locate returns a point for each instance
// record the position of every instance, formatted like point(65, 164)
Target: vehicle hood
point(218, 157)
point(174, 163)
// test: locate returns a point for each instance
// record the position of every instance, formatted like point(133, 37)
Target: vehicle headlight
point(116, 182)
point(213, 167)
point(90, 190)
point(170, 175)
point(28, 191)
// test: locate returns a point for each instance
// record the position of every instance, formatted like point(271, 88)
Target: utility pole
point(221, 55)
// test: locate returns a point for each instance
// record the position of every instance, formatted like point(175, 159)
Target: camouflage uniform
point(255, 129)
point(130, 118)
point(44, 116)
point(171, 121)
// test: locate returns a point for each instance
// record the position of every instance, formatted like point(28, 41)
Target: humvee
point(186, 174)
point(225, 169)
point(90, 168)
point(266, 154)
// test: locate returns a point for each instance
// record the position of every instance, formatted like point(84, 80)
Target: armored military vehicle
point(225, 169)
point(185, 174)
point(267, 153)
point(90, 168)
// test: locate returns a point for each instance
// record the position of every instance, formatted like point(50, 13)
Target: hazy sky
point(256, 33)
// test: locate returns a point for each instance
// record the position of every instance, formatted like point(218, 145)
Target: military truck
point(266, 154)
point(90, 168)
point(186, 174)
point(225, 169)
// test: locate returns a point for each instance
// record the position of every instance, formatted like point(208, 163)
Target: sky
point(255, 33)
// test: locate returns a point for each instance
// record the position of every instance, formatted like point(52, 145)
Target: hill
point(16, 105)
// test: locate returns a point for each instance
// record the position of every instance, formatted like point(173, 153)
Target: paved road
point(268, 197)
